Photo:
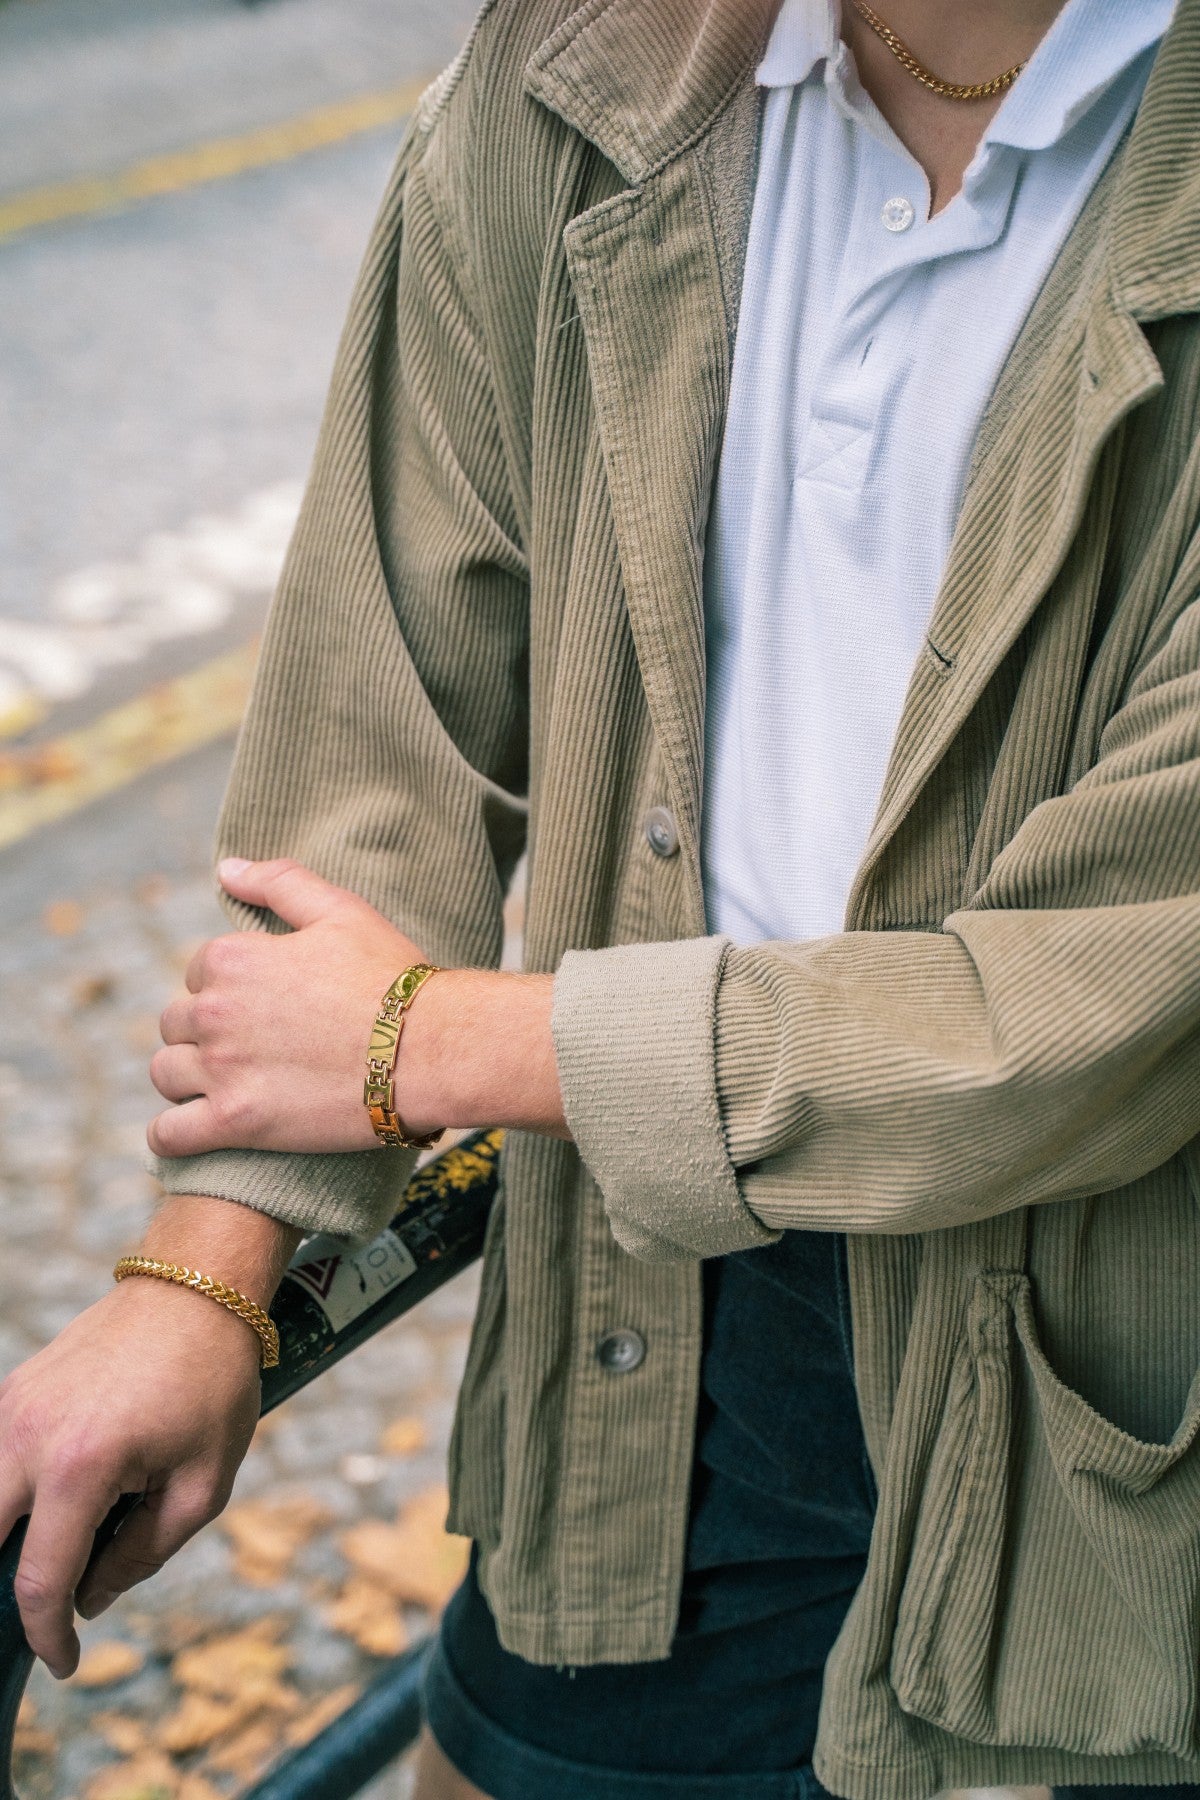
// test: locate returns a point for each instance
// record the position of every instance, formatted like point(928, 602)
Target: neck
point(959, 41)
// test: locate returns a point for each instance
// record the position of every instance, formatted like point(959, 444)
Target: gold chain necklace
point(949, 90)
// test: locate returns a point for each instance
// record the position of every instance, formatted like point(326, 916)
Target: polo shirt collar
point(1090, 44)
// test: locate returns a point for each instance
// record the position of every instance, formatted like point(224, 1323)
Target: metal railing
point(436, 1233)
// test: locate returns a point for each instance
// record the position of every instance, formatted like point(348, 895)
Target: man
point(920, 658)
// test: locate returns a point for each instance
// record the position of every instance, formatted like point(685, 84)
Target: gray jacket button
point(621, 1351)
point(662, 833)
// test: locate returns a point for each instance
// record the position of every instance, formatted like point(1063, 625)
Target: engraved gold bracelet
point(259, 1320)
point(379, 1093)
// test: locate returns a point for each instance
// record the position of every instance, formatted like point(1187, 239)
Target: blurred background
point(186, 187)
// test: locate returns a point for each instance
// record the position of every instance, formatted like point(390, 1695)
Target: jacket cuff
point(634, 1037)
point(351, 1196)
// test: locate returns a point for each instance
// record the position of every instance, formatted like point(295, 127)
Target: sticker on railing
point(344, 1282)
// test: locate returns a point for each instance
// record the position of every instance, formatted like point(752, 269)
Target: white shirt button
point(898, 214)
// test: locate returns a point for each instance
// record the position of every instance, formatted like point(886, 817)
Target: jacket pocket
point(1052, 1592)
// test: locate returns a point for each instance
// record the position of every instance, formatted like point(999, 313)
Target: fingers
point(178, 1023)
point(152, 1533)
point(189, 1130)
point(70, 1503)
point(176, 1072)
point(286, 888)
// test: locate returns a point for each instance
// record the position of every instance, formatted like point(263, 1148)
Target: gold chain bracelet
point(379, 1091)
point(259, 1320)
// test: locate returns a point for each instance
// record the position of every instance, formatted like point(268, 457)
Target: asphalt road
point(162, 367)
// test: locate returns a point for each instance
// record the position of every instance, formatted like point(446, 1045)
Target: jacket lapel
point(1081, 364)
point(656, 299)
point(657, 285)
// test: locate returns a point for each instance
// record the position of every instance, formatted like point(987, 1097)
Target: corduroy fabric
point(490, 633)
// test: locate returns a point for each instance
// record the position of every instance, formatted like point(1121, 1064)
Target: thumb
point(286, 888)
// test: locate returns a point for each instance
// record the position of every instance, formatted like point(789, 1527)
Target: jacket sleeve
point(385, 744)
point(1044, 1044)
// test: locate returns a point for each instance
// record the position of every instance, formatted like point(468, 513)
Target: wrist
point(185, 1321)
point(478, 1052)
point(247, 1249)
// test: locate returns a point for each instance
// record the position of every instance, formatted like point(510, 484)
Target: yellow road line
point(213, 161)
point(47, 782)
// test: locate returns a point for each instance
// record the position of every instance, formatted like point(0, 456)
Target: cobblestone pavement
point(84, 981)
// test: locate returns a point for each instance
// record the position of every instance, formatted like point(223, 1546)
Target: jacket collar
point(1155, 255)
point(644, 79)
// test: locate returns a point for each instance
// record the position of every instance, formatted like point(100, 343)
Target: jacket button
point(662, 833)
point(620, 1352)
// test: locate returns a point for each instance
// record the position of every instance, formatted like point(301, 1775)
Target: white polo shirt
point(869, 342)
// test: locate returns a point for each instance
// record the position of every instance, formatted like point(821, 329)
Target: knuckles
point(34, 1590)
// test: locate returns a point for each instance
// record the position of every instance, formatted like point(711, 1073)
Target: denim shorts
point(780, 1518)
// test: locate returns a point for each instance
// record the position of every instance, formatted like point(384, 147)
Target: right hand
point(154, 1390)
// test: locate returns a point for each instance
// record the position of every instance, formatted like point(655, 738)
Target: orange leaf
point(198, 1720)
point(149, 1776)
point(105, 1663)
point(63, 918)
point(121, 1733)
point(223, 1666)
point(249, 1750)
point(369, 1616)
point(321, 1714)
point(416, 1559)
point(404, 1437)
point(266, 1535)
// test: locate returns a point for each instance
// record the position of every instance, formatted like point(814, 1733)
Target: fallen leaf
point(415, 1560)
point(370, 1617)
point(90, 990)
point(404, 1437)
point(148, 1776)
point(63, 918)
point(322, 1713)
point(266, 1535)
point(199, 1720)
point(247, 1751)
point(194, 1787)
point(103, 1664)
point(222, 1666)
point(121, 1733)
point(28, 1739)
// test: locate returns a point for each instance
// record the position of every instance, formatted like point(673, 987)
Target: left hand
point(267, 1049)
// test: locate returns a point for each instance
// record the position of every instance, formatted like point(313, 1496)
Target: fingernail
point(233, 865)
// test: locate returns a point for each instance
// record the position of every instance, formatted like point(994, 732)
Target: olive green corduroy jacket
point(489, 636)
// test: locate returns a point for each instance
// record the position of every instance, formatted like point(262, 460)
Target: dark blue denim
point(780, 1520)
point(1188, 1791)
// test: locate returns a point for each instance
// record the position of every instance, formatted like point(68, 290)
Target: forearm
point(245, 1248)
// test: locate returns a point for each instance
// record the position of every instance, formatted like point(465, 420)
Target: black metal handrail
point(330, 1301)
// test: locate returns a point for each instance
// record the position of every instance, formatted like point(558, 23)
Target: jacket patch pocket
point(1052, 1594)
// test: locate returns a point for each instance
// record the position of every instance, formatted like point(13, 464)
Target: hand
point(153, 1390)
point(268, 1049)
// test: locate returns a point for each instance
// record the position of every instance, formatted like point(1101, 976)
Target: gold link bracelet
point(379, 1095)
point(259, 1320)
